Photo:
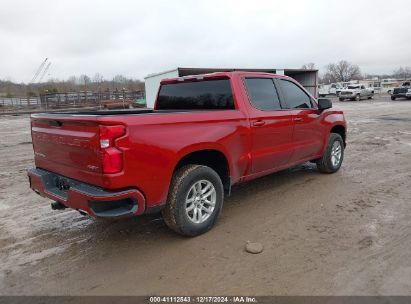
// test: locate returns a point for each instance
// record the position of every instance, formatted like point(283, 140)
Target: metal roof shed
point(307, 78)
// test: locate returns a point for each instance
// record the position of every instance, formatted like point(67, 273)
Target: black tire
point(358, 97)
point(324, 164)
point(341, 99)
point(174, 212)
point(392, 98)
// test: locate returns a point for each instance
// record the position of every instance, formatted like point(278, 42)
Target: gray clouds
point(135, 38)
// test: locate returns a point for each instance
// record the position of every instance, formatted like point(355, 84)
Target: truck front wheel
point(333, 155)
point(194, 200)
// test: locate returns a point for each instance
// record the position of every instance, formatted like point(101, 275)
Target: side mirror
point(324, 104)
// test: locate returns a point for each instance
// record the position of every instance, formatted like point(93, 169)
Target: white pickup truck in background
point(356, 92)
point(330, 89)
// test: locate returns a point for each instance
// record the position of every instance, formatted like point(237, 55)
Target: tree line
point(340, 71)
point(80, 83)
point(343, 71)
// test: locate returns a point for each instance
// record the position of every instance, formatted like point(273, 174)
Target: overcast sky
point(135, 38)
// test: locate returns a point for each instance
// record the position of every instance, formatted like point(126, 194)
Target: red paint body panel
point(68, 145)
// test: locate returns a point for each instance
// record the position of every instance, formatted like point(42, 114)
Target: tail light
point(111, 156)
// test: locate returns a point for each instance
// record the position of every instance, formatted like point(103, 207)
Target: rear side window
point(208, 94)
point(262, 93)
point(294, 96)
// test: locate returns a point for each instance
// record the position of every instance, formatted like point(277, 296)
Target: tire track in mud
point(346, 233)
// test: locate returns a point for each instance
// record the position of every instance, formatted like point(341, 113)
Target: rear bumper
point(86, 198)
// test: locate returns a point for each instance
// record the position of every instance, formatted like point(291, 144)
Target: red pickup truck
point(205, 134)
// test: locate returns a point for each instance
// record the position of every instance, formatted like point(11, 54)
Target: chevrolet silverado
point(205, 134)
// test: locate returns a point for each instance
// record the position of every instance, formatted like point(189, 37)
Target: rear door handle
point(258, 123)
point(298, 119)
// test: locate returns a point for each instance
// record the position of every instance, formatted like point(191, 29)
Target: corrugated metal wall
point(307, 79)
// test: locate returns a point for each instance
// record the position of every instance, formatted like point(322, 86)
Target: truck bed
point(120, 112)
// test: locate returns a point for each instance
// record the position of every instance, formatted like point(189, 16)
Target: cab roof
point(221, 75)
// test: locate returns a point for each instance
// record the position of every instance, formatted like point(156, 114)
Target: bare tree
point(72, 81)
point(96, 82)
point(344, 71)
point(402, 72)
point(308, 66)
point(120, 79)
point(84, 79)
point(326, 78)
point(98, 78)
point(72, 84)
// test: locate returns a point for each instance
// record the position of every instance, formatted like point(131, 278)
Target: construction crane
point(39, 71)
point(44, 72)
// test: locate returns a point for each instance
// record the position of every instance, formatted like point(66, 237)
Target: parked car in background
point(389, 84)
point(338, 88)
point(205, 134)
point(356, 92)
point(330, 89)
point(403, 91)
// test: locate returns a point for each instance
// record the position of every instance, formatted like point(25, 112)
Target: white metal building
point(307, 78)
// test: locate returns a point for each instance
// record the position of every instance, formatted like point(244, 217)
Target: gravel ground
point(343, 234)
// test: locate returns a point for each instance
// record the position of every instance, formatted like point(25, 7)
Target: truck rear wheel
point(392, 98)
point(333, 155)
point(194, 200)
point(358, 97)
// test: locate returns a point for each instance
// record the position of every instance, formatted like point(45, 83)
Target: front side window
point(294, 96)
point(262, 93)
point(196, 95)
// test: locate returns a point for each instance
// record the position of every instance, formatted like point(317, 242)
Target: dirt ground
point(343, 234)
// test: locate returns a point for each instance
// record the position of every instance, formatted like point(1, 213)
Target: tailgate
point(69, 147)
